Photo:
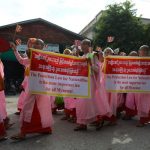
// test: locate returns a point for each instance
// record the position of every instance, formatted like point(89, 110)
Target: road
point(124, 136)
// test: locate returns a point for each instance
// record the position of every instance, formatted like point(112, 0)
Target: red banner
point(57, 74)
point(127, 74)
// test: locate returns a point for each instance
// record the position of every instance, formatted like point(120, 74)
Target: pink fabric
point(101, 95)
point(120, 100)
point(86, 109)
point(1, 69)
point(69, 103)
point(21, 100)
point(24, 61)
point(44, 107)
point(114, 100)
point(43, 102)
point(3, 111)
point(143, 104)
point(52, 99)
point(130, 101)
point(25, 82)
point(23, 94)
point(104, 94)
point(139, 101)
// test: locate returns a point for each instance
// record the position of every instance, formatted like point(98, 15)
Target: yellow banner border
point(129, 57)
point(127, 91)
point(55, 54)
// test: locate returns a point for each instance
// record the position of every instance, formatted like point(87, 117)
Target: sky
point(73, 15)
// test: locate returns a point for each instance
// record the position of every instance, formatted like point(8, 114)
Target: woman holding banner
point(130, 105)
point(115, 100)
point(87, 110)
point(140, 102)
point(36, 115)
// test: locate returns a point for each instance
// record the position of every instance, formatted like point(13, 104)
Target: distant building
point(55, 37)
point(88, 32)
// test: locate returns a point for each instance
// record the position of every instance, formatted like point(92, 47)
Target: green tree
point(121, 22)
point(147, 34)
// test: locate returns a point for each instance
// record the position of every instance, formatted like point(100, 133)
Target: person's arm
point(21, 60)
point(101, 57)
point(95, 65)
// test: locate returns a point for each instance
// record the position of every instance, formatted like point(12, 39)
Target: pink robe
point(143, 104)
point(130, 101)
point(102, 100)
point(139, 102)
point(114, 100)
point(23, 94)
point(2, 127)
point(86, 108)
point(69, 103)
point(3, 111)
point(52, 99)
point(43, 102)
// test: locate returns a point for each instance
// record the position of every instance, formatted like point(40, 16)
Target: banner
point(127, 74)
point(59, 75)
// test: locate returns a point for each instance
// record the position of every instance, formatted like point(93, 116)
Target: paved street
point(124, 136)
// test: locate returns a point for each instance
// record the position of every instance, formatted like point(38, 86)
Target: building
point(88, 32)
point(52, 34)
point(56, 38)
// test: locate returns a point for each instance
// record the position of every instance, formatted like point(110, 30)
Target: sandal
point(126, 118)
point(64, 118)
point(99, 125)
point(17, 113)
point(140, 125)
point(17, 137)
point(49, 132)
point(81, 128)
point(3, 138)
point(111, 124)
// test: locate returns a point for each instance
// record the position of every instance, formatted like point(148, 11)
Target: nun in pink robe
point(36, 115)
point(101, 95)
point(143, 99)
point(86, 109)
point(3, 111)
point(111, 107)
point(130, 106)
point(143, 108)
point(2, 129)
point(115, 100)
point(69, 108)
